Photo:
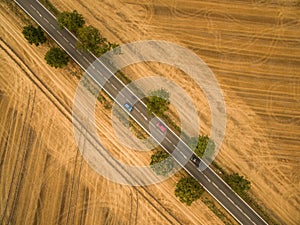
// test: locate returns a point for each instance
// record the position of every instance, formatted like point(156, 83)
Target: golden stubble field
point(44, 179)
point(253, 49)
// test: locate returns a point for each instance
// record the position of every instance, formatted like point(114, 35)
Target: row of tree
point(34, 35)
point(202, 144)
point(188, 189)
point(55, 57)
point(89, 38)
point(158, 102)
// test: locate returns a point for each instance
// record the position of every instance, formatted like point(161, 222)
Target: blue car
point(128, 106)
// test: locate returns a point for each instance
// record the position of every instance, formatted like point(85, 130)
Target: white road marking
point(52, 26)
point(222, 192)
point(141, 113)
point(152, 125)
point(183, 155)
point(231, 200)
point(93, 67)
point(86, 59)
point(206, 177)
point(46, 20)
point(213, 183)
point(33, 7)
point(36, 10)
point(138, 122)
point(46, 9)
point(78, 52)
point(114, 87)
point(58, 32)
point(72, 45)
point(144, 116)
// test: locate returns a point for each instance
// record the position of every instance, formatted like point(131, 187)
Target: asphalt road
point(243, 213)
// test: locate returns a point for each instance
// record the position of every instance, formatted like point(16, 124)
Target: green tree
point(57, 58)
point(201, 144)
point(106, 46)
point(238, 183)
point(34, 35)
point(158, 102)
point(188, 190)
point(90, 39)
point(161, 163)
point(71, 20)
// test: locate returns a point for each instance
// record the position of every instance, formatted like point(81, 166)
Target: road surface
point(240, 210)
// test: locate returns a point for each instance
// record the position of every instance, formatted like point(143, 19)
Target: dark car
point(195, 159)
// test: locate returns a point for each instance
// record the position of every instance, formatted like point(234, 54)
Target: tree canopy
point(238, 183)
point(158, 102)
point(201, 144)
point(57, 58)
point(188, 190)
point(89, 39)
point(71, 20)
point(34, 35)
point(106, 46)
point(161, 163)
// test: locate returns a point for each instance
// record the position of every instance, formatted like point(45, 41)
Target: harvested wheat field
point(44, 179)
point(252, 47)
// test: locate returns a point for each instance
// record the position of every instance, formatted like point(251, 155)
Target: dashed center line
point(183, 155)
point(144, 116)
point(141, 113)
point(46, 20)
point(33, 7)
point(206, 177)
point(86, 59)
point(114, 87)
point(136, 109)
point(58, 32)
point(230, 199)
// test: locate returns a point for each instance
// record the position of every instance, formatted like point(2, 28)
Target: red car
point(161, 126)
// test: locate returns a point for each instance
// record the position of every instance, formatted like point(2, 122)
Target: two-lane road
point(243, 213)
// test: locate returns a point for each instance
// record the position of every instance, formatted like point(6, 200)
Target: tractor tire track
point(66, 111)
point(16, 163)
point(21, 171)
